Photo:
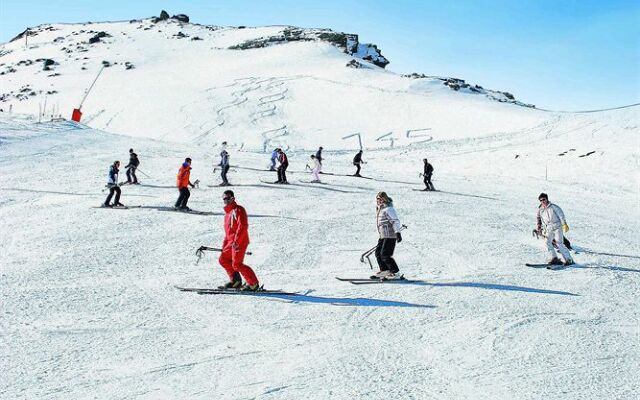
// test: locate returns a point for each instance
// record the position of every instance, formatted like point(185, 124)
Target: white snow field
point(89, 308)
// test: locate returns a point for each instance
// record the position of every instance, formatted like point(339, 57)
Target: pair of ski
point(261, 292)
point(373, 281)
point(547, 266)
point(117, 207)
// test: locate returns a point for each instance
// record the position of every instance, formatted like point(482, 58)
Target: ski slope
point(89, 309)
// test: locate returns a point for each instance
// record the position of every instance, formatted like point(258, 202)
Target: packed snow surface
point(89, 308)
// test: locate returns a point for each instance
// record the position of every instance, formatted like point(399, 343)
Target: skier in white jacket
point(389, 228)
point(551, 219)
point(315, 169)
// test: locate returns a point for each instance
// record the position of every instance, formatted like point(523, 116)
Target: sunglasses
point(227, 198)
point(543, 200)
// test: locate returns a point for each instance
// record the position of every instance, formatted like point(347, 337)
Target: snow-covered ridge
point(254, 87)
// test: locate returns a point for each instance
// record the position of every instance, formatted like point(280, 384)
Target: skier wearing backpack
point(389, 230)
point(551, 218)
point(112, 184)
point(234, 246)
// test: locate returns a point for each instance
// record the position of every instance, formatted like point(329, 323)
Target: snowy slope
point(291, 94)
point(89, 309)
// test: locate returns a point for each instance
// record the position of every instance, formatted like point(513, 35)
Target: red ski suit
point(236, 241)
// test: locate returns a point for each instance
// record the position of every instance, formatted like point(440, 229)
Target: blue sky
point(556, 54)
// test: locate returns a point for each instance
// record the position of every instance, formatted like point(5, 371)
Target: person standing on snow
point(131, 167)
point(389, 230)
point(224, 166)
point(319, 155)
point(551, 218)
point(315, 170)
point(274, 157)
point(234, 246)
point(428, 171)
point(357, 161)
point(112, 184)
point(183, 183)
point(566, 241)
point(282, 168)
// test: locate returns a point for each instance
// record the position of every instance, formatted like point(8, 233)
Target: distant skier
point(274, 157)
point(551, 218)
point(428, 171)
point(319, 155)
point(315, 169)
point(183, 183)
point(224, 166)
point(234, 246)
point(389, 229)
point(282, 168)
point(357, 161)
point(112, 184)
point(131, 167)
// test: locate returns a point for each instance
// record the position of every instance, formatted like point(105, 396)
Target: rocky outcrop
point(181, 17)
point(354, 64)
point(459, 85)
point(164, 15)
point(96, 38)
point(346, 41)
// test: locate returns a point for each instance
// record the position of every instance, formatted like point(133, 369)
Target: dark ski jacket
point(284, 161)
point(428, 169)
point(224, 159)
point(358, 158)
point(319, 155)
point(133, 160)
point(113, 176)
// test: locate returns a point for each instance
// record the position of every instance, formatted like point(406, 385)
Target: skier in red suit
point(234, 246)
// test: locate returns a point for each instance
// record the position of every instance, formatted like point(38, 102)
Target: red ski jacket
point(182, 180)
point(236, 225)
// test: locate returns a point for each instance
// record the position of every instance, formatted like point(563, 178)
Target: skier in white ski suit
point(315, 170)
point(389, 228)
point(551, 219)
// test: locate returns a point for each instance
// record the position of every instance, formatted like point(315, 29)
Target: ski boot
point(380, 275)
point(251, 288)
point(231, 285)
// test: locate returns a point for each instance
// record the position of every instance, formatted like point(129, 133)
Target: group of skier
point(112, 179)
point(551, 222)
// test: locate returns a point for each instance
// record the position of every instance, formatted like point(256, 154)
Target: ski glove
point(399, 237)
point(565, 228)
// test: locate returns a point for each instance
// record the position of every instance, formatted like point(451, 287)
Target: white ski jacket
point(387, 221)
point(551, 217)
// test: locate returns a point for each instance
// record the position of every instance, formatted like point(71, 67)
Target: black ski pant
point(427, 182)
point(183, 198)
point(225, 169)
point(112, 190)
point(358, 169)
point(384, 253)
point(282, 176)
point(131, 175)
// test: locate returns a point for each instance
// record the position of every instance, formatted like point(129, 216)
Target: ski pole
point(142, 172)
point(202, 249)
point(368, 253)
